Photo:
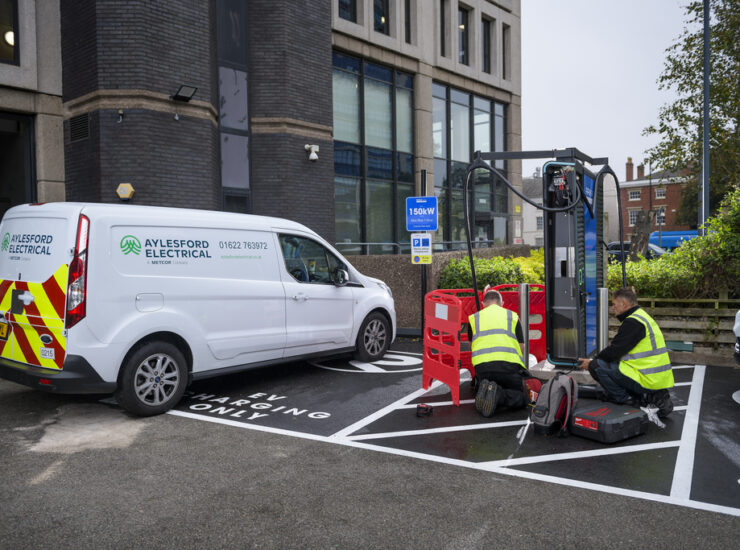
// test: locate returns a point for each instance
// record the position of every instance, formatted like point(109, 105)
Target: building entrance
point(17, 162)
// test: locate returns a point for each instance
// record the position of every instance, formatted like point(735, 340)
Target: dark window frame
point(397, 79)
point(442, 28)
point(463, 35)
point(236, 192)
point(506, 51)
point(381, 10)
point(16, 37)
point(349, 9)
point(407, 21)
point(486, 45)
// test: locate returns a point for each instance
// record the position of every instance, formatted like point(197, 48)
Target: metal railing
point(364, 248)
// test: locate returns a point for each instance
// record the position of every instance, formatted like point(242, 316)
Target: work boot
point(490, 399)
point(662, 400)
point(480, 394)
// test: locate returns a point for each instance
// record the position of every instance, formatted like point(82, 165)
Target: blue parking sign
point(421, 214)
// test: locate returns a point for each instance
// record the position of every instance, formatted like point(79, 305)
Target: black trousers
point(510, 378)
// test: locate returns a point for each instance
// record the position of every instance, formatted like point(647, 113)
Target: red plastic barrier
point(446, 344)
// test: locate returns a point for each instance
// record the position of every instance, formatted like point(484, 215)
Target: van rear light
point(77, 279)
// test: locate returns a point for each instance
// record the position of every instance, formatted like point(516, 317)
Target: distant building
point(533, 218)
point(658, 191)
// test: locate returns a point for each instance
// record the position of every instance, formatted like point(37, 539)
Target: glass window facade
point(233, 105)
point(9, 39)
point(462, 124)
point(373, 155)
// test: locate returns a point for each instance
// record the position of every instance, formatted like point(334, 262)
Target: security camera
point(312, 152)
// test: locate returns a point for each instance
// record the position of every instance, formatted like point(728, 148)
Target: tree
point(680, 123)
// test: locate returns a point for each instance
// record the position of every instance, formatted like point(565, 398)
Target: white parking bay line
point(684, 471)
point(382, 412)
point(579, 454)
point(463, 428)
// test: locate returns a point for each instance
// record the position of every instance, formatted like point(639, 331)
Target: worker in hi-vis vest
point(635, 368)
point(500, 370)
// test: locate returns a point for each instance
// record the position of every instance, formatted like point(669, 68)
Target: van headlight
point(385, 287)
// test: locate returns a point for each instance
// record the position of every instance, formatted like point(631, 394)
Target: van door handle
point(300, 297)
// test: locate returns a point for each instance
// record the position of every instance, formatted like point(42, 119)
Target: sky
point(589, 75)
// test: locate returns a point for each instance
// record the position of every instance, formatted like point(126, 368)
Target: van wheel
point(374, 338)
point(153, 379)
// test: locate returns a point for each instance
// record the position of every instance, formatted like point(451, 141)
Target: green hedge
point(703, 267)
point(493, 271)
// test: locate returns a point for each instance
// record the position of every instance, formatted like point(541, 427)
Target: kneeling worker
point(497, 356)
point(635, 368)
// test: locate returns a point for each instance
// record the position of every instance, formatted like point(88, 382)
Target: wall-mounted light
point(185, 93)
point(9, 37)
point(125, 191)
point(120, 115)
point(313, 152)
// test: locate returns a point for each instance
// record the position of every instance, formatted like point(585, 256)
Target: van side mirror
point(340, 277)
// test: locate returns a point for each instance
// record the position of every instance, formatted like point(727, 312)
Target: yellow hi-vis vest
point(648, 363)
point(494, 336)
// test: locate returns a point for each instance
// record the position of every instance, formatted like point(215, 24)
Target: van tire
point(374, 338)
point(167, 370)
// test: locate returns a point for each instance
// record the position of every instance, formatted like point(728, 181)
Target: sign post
point(422, 215)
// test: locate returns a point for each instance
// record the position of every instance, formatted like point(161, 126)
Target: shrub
point(532, 266)
point(488, 271)
point(700, 268)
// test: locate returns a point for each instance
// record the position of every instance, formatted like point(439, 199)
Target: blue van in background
point(671, 239)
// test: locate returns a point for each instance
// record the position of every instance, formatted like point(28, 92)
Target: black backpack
point(555, 403)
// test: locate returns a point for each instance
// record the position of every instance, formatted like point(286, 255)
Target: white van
point(140, 301)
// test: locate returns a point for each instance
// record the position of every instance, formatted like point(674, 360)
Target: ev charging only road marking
point(682, 475)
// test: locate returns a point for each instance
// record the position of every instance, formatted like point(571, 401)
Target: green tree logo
point(130, 244)
point(6, 242)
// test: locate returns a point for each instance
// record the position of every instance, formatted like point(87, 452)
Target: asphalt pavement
point(78, 472)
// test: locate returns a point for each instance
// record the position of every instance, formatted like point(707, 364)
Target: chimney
point(640, 171)
point(629, 173)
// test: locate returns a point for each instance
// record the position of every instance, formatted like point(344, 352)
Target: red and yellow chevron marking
point(42, 317)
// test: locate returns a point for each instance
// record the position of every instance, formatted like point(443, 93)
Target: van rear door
point(34, 257)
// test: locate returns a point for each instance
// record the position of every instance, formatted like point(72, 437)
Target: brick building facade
point(658, 191)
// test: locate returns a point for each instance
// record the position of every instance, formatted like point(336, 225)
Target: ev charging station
point(576, 302)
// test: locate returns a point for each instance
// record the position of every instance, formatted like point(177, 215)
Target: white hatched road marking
point(680, 491)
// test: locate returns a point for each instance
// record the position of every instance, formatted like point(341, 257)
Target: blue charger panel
point(591, 240)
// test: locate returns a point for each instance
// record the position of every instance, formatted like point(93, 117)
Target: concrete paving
point(332, 464)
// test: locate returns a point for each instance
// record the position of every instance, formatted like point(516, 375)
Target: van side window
point(307, 261)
